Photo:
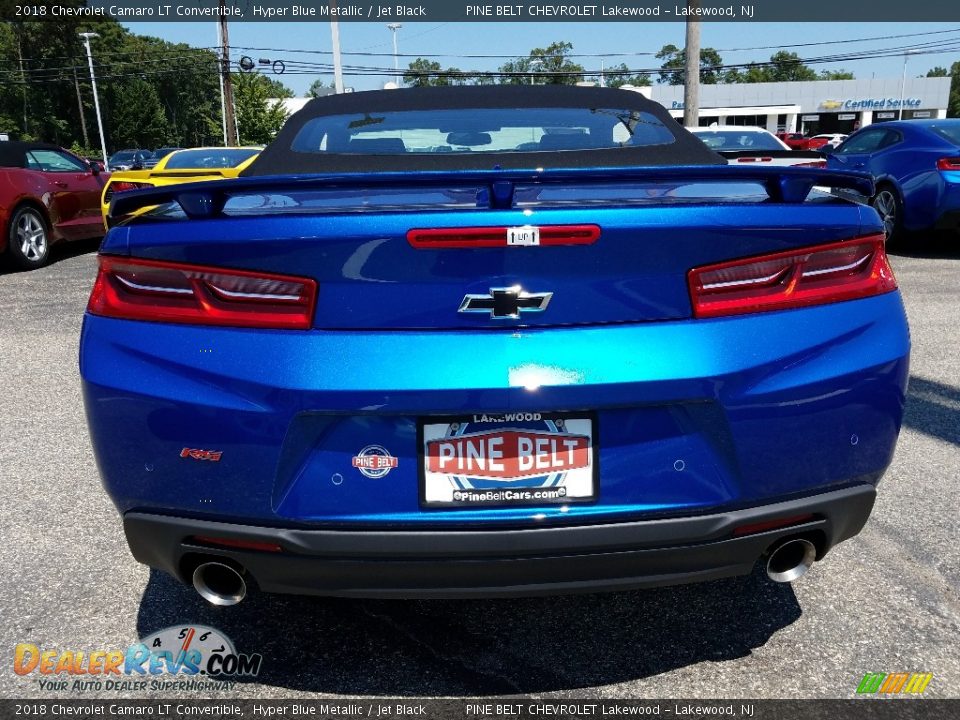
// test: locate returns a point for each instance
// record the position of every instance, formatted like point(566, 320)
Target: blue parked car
point(916, 166)
point(454, 342)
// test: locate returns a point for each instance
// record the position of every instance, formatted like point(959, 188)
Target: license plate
point(523, 458)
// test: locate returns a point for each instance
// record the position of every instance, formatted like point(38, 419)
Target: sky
point(444, 42)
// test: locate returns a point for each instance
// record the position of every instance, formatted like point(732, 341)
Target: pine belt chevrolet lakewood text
point(491, 341)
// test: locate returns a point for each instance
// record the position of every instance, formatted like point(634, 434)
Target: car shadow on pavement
point(933, 247)
point(58, 253)
point(483, 647)
point(933, 408)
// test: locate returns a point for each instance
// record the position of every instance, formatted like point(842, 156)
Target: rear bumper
point(502, 562)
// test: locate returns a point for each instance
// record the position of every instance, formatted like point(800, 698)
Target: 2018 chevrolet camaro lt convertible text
point(459, 342)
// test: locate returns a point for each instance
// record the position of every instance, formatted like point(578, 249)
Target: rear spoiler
point(812, 154)
point(184, 173)
point(206, 200)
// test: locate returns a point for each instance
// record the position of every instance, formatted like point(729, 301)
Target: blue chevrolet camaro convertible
point(460, 342)
point(916, 167)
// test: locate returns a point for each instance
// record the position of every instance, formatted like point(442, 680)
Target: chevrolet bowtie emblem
point(505, 303)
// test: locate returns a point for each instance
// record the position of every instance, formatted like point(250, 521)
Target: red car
point(46, 195)
point(818, 142)
point(794, 140)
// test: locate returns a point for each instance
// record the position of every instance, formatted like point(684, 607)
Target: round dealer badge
point(374, 461)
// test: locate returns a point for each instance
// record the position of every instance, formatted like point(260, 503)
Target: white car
point(832, 139)
point(750, 144)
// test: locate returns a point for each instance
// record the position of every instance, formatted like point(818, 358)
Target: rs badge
point(195, 454)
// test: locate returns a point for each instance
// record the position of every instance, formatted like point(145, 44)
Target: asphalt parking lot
point(885, 601)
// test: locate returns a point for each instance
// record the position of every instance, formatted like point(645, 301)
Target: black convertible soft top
point(13, 153)
point(286, 155)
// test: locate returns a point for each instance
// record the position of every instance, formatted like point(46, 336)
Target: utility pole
point(229, 114)
point(223, 102)
point(23, 80)
point(691, 82)
point(83, 120)
point(96, 99)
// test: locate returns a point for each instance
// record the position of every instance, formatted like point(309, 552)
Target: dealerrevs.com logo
point(190, 657)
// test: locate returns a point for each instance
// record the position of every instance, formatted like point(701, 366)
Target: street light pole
point(903, 79)
point(96, 100)
point(393, 28)
point(534, 63)
point(335, 42)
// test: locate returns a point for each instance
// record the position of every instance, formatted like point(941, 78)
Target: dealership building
point(818, 106)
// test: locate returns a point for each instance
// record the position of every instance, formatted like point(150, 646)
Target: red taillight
point(754, 159)
point(171, 292)
point(948, 163)
point(122, 186)
point(797, 278)
point(485, 237)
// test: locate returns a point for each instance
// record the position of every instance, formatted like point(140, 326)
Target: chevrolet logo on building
point(831, 105)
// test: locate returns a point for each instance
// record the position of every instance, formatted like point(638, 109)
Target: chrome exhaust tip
point(790, 560)
point(219, 584)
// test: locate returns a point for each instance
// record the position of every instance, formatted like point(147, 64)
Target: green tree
point(422, 73)
point(186, 83)
point(40, 101)
point(835, 75)
point(259, 119)
point(135, 115)
point(319, 88)
point(953, 103)
point(783, 66)
point(953, 106)
point(618, 75)
point(672, 71)
point(787, 67)
point(275, 88)
point(547, 66)
point(426, 73)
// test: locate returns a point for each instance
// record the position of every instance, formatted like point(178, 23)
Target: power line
point(468, 56)
point(129, 51)
point(182, 59)
point(191, 54)
point(296, 67)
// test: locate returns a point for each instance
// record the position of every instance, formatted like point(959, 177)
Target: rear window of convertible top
point(480, 130)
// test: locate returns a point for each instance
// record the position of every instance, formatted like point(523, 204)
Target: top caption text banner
point(851, 11)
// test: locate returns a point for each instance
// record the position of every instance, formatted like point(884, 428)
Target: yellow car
point(191, 165)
